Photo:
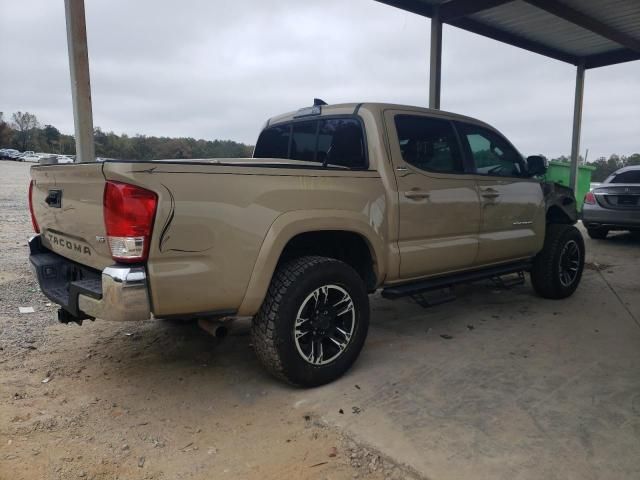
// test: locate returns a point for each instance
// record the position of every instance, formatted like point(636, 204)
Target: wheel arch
point(295, 233)
point(556, 214)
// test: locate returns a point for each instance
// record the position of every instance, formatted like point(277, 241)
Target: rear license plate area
point(628, 200)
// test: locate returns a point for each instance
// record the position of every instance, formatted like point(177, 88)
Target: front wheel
point(313, 322)
point(557, 269)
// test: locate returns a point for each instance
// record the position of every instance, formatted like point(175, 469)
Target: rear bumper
point(597, 216)
point(117, 293)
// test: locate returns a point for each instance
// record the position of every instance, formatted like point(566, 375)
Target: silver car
point(614, 205)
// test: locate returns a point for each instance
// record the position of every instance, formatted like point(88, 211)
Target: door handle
point(416, 194)
point(489, 193)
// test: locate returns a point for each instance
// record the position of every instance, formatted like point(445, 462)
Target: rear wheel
point(557, 269)
point(313, 322)
point(599, 233)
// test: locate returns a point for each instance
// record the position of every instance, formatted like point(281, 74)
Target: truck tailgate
point(67, 203)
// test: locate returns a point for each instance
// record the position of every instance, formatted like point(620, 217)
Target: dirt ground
point(155, 400)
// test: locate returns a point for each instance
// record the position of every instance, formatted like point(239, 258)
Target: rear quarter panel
point(212, 221)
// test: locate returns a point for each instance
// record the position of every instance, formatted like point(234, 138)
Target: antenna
point(318, 101)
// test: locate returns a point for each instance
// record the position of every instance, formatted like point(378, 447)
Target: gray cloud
point(219, 69)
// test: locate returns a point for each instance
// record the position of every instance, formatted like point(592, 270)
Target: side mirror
point(537, 165)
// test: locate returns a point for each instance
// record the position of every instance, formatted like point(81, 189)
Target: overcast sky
point(219, 69)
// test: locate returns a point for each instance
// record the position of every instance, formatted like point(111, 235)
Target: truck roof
point(374, 108)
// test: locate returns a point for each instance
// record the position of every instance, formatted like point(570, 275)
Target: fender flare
point(290, 224)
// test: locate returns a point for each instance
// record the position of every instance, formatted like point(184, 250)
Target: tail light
point(129, 212)
point(34, 222)
point(590, 198)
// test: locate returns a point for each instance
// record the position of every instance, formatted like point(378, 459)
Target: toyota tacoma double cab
point(338, 201)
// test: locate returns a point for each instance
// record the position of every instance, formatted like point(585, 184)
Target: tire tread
point(543, 278)
point(263, 329)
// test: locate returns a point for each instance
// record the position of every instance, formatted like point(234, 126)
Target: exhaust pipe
point(217, 328)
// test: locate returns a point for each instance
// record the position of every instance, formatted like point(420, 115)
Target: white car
point(64, 159)
point(30, 157)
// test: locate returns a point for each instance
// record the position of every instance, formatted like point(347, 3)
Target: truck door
point(512, 204)
point(439, 208)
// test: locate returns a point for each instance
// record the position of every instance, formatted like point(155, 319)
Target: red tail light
point(590, 198)
point(34, 222)
point(129, 212)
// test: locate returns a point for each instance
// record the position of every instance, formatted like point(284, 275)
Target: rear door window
point(429, 143)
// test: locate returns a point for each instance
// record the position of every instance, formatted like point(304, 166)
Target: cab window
point(429, 143)
point(273, 142)
point(492, 154)
point(303, 143)
point(329, 141)
point(341, 142)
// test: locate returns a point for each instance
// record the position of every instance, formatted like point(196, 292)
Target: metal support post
point(435, 61)
point(80, 83)
point(577, 126)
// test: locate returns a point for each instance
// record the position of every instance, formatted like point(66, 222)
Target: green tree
point(633, 159)
point(5, 132)
point(51, 137)
point(25, 125)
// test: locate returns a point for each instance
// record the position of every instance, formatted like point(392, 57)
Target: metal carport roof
point(596, 32)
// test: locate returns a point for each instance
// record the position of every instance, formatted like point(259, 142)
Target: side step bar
point(414, 288)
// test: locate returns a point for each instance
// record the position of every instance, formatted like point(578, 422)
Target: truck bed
point(212, 219)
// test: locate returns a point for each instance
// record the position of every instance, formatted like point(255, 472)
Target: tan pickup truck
point(338, 202)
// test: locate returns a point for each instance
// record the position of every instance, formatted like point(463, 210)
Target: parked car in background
point(9, 153)
point(64, 159)
point(614, 205)
point(30, 157)
point(20, 157)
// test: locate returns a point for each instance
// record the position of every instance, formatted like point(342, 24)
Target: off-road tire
point(272, 331)
point(545, 274)
point(598, 233)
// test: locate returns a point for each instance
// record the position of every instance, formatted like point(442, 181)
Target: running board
point(414, 288)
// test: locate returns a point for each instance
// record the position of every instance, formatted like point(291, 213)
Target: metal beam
point(611, 58)
point(80, 83)
point(577, 126)
point(414, 6)
point(587, 22)
point(435, 61)
point(508, 38)
point(421, 8)
point(460, 8)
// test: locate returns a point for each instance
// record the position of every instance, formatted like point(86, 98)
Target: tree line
point(24, 132)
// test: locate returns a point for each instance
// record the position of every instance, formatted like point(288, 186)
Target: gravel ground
point(150, 400)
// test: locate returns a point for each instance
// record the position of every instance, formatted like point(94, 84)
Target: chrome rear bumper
point(597, 216)
point(119, 292)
